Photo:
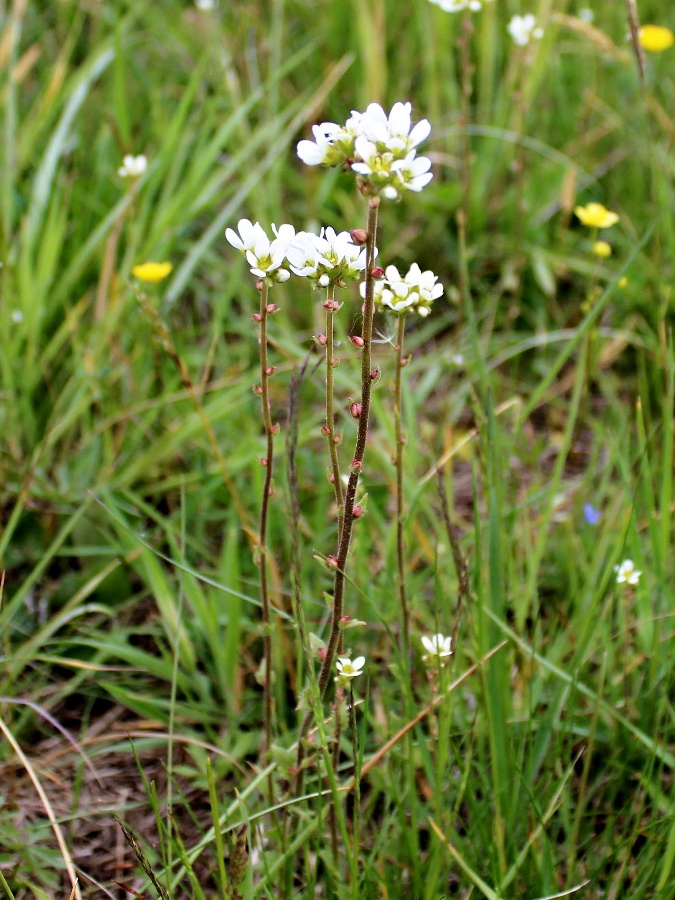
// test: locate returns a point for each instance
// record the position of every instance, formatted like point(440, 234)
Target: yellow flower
point(594, 215)
point(623, 282)
point(152, 272)
point(656, 38)
point(602, 249)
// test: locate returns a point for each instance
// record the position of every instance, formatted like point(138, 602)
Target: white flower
point(415, 292)
point(626, 573)
point(348, 668)
point(284, 233)
point(17, 315)
point(393, 132)
point(132, 166)
point(586, 14)
point(249, 233)
point(523, 28)
point(325, 150)
point(413, 172)
point(265, 257)
point(438, 648)
point(459, 5)
point(327, 257)
point(205, 5)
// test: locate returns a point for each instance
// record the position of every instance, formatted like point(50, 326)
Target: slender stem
point(330, 415)
point(345, 536)
point(400, 443)
point(465, 113)
point(357, 787)
point(264, 508)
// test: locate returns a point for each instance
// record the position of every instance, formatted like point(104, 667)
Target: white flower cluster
point(133, 166)
point(523, 28)
point(412, 293)
point(381, 148)
point(326, 258)
point(459, 5)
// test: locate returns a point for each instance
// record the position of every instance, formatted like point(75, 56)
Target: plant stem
point(345, 536)
point(465, 113)
point(400, 443)
point(264, 507)
point(356, 829)
point(330, 415)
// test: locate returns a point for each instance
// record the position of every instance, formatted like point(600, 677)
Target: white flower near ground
point(348, 668)
point(327, 257)
point(626, 573)
point(438, 647)
point(523, 28)
point(414, 292)
point(132, 166)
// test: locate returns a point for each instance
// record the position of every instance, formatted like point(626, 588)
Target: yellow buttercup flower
point(594, 215)
point(656, 38)
point(152, 272)
point(602, 249)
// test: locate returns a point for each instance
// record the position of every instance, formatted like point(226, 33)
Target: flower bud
point(355, 410)
point(258, 390)
point(256, 317)
point(270, 370)
point(335, 361)
point(272, 308)
point(357, 512)
point(331, 478)
point(345, 619)
point(331, 305)
point(275, 428)
point(263, 461)
point(355, 465)
point(321, 654)
point(332, 562)
point(375, 374)
point(359, 235)
point(321, 339)
point(325, 430)
point(377, 272)
point(357, 340)
point(259, 285)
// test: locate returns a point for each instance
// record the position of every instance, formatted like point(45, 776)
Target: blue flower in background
point(591, 514)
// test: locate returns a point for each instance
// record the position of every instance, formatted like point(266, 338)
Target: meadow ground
point(150, 709)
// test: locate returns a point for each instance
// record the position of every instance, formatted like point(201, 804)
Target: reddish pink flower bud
point(357, 512)
point(322, 339)
point(332, 305)
point(321, 654)
point(325, 430)
point(332, 562)
point(359, 235)
point(259, 285)
point(375, 373)
point(345, 619)
point(257, 317)
point(335, 361)
point(275, 428)
point(258, 390)
point(355, 465)
point(263, 461)
point(355, 410)
point(357, 340)
point(377, 272)
point(272, 308)
point(270, 370)
point(331, 478)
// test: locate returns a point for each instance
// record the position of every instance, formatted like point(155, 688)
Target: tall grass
point(540, 761)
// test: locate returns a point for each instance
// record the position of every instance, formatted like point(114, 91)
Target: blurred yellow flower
point(594, 215)
point(602, 249)
point(656, 38)
point(152, 272)
point(623, 282)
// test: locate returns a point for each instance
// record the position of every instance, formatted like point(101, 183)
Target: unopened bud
point(272, 308)
point(321, 339)
point(257, 317)
point(357, 340)
point(275, 428)
point(357, 512)
point(331, 478)
point(258, 390)
point(259, 285)
point(375, 373)
point(321, 654)
point(345, 619)
point(359, 235)
point(404, 362)
point(270, 370)
point(263, 460)
point(377, 272)
point(355, 410)
point(331, 305)
point(332, 562)
point(325, 430)
point(356, 465)
point(335, 361)
point(336, 439)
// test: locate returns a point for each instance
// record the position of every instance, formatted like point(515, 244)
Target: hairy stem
point(330, 415)
point(400, 443)
point(264, 509)
point(344, 539)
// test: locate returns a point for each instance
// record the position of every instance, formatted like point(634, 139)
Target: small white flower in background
point(414, 292)
point(626, 573)
point(206, 5)
point(265, 257)
point(523, 28)
point(586, 14)
point(132, 166)
point(438, 648)
point(327, 257)
point(348, 668)
point(459, 5)
point(17, 315)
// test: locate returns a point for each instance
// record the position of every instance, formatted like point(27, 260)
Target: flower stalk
point(331, 362)
point(400, 443)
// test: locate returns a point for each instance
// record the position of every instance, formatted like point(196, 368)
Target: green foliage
point(131, 581)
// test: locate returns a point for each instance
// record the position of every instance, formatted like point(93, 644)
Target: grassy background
point(549, 768)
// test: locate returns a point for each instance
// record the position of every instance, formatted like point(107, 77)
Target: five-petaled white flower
point(380, 148)
point(327, 257)
point(414, 292)
point(132, 166)
point(523, 28)
point(348, 668)
point(438, 647)
point(265, 257)
point(626, 573)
